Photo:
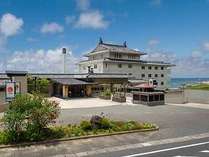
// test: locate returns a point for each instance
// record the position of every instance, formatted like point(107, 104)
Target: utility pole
point(64, 53)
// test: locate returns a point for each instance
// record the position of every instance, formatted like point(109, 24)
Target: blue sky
point(170, 30)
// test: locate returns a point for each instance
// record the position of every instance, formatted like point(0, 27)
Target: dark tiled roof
point(115, 48)
point(141, 61)
point(16, 73)
point(70, 81)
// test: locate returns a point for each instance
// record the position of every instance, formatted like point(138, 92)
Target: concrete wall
point(197, 96)
point(190, 96)
point(176, 97)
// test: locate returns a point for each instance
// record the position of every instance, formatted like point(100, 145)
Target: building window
point(143, 75)
point(162, 75)
point(131, 57)
point(118, 55)
point(155, 82)
point(143, 67)
point(150, 68)
point(129, 65)
point(94, 57)
point(119, 65)
point(162, 68)
point(156, 75)
point(156, 68)
point(95, 66)
point(162, 83)
point(106, 65)
point(149, 75)
point(84, 67)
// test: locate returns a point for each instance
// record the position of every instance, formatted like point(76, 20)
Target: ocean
point(177, 82)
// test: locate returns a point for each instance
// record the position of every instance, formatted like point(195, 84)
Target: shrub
point(4, 138)
point(27, 116)
point(105, 123)
point(106, 93)
point(86, 125)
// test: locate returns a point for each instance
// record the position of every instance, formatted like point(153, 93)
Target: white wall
point(137, 72)
point(83, 66)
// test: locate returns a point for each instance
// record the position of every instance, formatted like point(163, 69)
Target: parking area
point(174, 119)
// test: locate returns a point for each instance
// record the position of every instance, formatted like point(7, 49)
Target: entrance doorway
point(76, 91)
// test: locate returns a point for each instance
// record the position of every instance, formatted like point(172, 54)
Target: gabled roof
point(114, 48)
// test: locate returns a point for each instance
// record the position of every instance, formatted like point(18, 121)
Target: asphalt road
point(174, 121)
point(193, 148)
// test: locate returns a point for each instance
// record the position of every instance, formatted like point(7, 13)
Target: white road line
point(205, 151)
point(184, 156)
point(167, 149)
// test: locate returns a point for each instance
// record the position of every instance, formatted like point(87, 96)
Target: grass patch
point(199, 86)
point(85, 128)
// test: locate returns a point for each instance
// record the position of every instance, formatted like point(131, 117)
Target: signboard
point(17, 88)
point(10, 90)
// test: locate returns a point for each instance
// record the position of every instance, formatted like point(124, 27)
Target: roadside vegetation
point(199, 86)
point(39, 85)
point(31, 117)
point(105, 94)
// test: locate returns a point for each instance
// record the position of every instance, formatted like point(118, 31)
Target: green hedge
point(85, 128)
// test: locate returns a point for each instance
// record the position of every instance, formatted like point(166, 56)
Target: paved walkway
point(87, 103)
point(97, 102)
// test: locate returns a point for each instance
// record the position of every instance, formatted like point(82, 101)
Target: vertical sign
point(17, 88)
point(10, 91)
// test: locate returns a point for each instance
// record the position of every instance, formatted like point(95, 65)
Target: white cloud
point(153, 42)
point(93, 19)
point(189, 66)
point(83, 4)
point(205, 46)
point(51, 28)
point(41, 60)
point(10, 25)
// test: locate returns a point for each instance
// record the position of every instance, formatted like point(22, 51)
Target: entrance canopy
point(70, 81)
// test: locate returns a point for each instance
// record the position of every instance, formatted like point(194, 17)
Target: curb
point(77, 138)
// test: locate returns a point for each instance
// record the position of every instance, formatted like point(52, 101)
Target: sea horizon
point(178, 82)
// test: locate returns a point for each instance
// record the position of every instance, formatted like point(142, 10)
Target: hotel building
point(111, 59)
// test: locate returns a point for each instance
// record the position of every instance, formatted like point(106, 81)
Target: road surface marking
point(167, 149)
point(205, 151)
point(184, 156)
point(146, 144)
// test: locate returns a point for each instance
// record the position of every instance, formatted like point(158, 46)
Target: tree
point(28, 116)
